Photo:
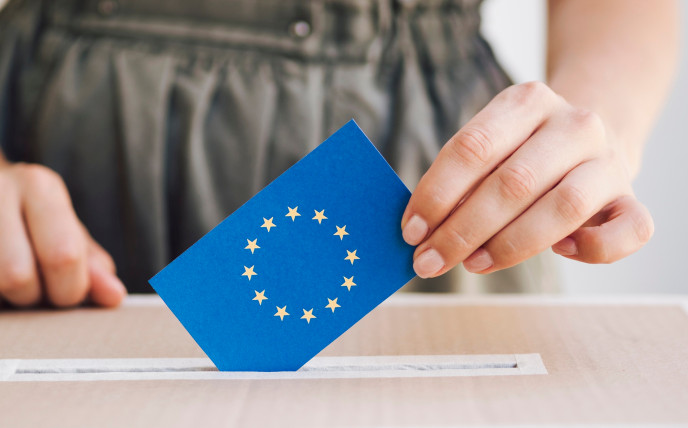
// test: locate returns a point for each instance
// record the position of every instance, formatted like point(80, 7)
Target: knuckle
point(526, 93)
point(588, 121)
point(506, 250)
point(517, 182)
point(434, 203)
point(66, 255)
point(438, 198)
point(40, 178)
point(431, 194)
point(510, 247)
point(16, 276)
point(573, 204)
point(456, 237)
point(472, 146)
point(535, 89)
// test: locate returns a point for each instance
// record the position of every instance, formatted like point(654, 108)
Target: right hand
point(46, 253)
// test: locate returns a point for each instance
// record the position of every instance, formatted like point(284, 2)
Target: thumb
point(622, 228)
point(106, 289)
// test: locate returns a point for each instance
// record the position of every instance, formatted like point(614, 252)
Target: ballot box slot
point(427, 366)
point(417, 367)
point(55, 370)
point(353, 367)
point(317, 368)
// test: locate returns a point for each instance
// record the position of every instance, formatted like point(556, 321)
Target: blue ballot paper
point(298, 264)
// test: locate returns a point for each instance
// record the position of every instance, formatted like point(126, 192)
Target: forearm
point(616, 58)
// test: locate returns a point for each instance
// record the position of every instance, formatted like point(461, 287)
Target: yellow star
point(251, 245)
point(348, 283)
point(320, 216)
point(260, 296)
point(267, 223)
point(308, 315)
point(281, 312)
point(351, 256)
point(332, 304)
point(293, 213)
point(248, 271)
point(341, 231)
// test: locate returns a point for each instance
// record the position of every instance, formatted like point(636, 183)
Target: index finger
point(472, 153)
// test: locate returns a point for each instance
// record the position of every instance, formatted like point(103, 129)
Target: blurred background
point(517, 32)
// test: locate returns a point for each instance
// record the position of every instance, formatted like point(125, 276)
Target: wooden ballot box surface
point(608, 361)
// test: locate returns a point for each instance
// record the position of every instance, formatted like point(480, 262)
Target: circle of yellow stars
point(268, 224)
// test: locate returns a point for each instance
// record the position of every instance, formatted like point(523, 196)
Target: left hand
point(528, 172)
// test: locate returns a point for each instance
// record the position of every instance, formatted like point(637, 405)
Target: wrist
point(629, 155)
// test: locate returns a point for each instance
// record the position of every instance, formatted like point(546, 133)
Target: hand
point(45, 251)
point(528, 172)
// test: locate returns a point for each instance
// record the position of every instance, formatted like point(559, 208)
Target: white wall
point(517, 33)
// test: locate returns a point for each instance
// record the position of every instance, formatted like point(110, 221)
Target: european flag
point(298, 264)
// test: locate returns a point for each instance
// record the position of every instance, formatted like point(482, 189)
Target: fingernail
point(566, 247)
point(415, 230)
point(428, 263)
point(478, 261)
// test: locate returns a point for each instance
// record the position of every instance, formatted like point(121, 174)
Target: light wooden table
point(608, 361)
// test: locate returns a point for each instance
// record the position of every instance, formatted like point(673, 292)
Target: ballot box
point(417, 360)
